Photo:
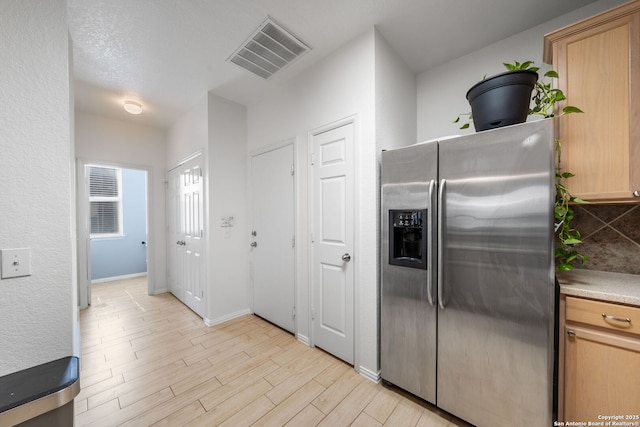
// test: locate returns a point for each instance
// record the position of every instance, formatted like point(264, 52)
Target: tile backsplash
point(610, 237)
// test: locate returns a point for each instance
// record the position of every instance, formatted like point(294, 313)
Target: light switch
point(16, 263)
point(226, 221)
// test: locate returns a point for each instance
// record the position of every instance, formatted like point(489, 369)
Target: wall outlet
point(16, 262)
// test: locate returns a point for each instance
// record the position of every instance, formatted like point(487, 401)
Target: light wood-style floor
point(149, 360)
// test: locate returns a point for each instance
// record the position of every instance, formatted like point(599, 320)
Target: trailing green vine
point(567, 236)
point(544, 98)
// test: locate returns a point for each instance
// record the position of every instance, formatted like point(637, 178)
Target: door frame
point(83, 232)
point(293, 142)
point(353, 119)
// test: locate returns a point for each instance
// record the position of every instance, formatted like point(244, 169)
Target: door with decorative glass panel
point(185, 197)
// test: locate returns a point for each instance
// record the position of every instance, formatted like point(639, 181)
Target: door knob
point(253, 244)
point(346, 257)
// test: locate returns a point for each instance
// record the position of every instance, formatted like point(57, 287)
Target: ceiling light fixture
point(132, 107)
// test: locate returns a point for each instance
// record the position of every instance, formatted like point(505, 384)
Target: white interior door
point(186, 233)
point(332, 241)
point(273, 236)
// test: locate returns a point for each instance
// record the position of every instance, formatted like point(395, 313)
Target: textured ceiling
point(170, 53)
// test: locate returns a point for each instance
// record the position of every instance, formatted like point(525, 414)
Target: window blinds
point(104, 198)
point(103, 182)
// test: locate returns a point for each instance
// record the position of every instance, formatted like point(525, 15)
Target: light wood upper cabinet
point(598, 60)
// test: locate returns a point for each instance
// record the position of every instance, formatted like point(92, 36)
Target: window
point(105, 200)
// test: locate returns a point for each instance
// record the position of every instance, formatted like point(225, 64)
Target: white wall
point(38, 313)
point(134, 146)
point(218, 128)
point(228, 254)
point(396, 100)
point(188, 134)
point(442, 90)
point(351, 82)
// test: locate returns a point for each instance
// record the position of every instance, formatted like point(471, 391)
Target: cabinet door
point(598, 64)
point(600, 374)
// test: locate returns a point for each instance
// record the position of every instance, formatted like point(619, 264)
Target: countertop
point(601, 285)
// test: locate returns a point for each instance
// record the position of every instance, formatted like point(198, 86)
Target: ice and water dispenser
point(408, 238)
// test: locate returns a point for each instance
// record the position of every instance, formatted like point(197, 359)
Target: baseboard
point(304, 340)
point(114, 278)
point(226, 318)
point(159, 291)
point(370, 375)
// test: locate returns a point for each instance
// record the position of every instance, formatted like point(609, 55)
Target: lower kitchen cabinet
point(601, 352)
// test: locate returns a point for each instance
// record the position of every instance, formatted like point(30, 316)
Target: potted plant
point(543, 102)
point(502, 99)
point(544, 98)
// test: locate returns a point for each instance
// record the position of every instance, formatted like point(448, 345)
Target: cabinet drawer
point(603, 314)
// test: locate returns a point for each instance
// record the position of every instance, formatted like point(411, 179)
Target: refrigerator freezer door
point(495, 349)
point(408, 313)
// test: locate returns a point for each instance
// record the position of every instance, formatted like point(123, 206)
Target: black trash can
point(41, 396)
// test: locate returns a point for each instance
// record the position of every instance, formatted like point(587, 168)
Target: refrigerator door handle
point(430, 229)
point(441, 196)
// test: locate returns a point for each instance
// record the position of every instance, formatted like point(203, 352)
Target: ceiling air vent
point(268, 50)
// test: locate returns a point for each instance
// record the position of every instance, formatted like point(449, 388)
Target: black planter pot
point(502, 100)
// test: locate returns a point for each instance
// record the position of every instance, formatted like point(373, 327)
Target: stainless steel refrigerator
point(467, 291)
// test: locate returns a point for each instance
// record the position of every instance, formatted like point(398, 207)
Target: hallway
point(149, 360)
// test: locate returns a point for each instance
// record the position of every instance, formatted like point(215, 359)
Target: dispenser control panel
point(407, 218)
